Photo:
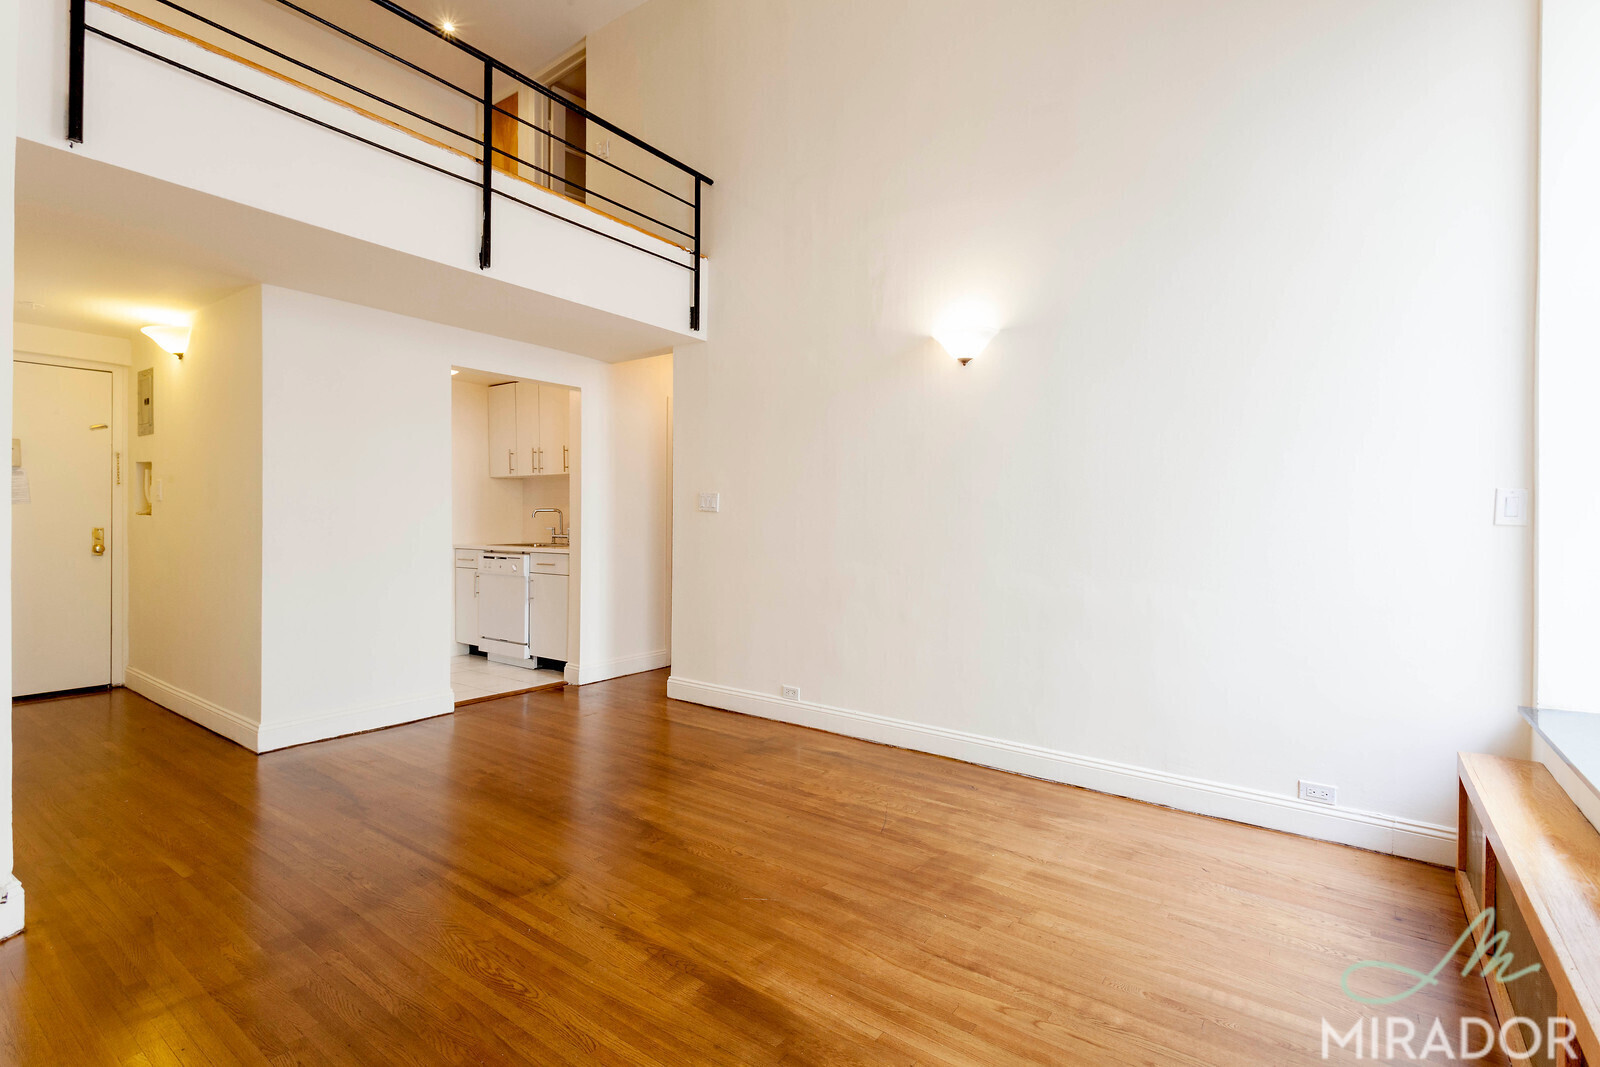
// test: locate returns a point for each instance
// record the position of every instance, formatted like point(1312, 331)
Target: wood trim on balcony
point(216, 50)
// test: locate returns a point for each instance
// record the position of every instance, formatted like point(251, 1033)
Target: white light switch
point(1511, 507)
point(710, 501)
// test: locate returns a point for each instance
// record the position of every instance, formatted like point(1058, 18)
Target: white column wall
point(1214, 513)
point(357, 513)
point(1568, 497)
point(12, 907)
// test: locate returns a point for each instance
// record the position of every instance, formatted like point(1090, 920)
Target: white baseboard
point(1275, 811)
point(214, 717)
point(583, 674)
point(258, 738)
point(353, 721)
point(11, 907)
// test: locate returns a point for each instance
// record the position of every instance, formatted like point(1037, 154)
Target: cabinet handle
point(474, 585)
point(511, 459)
point(565, 463)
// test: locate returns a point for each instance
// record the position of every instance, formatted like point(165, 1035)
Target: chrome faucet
point(555, 534)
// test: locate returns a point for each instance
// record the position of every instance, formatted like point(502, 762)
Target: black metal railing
point(629, 197)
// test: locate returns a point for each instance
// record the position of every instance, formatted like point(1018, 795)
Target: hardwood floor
point(602, 875)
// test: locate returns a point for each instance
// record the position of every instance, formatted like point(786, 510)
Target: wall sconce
point(173, 339)
point(965, 332)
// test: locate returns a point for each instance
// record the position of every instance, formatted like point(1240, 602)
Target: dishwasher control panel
point(503, 564)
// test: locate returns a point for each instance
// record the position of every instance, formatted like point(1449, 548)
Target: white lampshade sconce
point(965, 331)
point(173, 339)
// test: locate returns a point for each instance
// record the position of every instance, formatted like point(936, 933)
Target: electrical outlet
point(791, 692)
point(1318, 793)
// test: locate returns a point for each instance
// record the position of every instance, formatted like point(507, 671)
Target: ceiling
point(527, 34)
point(106, 251)
point(482, 377)
point(95, 276)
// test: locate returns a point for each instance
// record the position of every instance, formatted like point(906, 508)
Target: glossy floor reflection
point(601, 875)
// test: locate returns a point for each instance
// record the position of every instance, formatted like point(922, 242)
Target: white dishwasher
point(503, 605)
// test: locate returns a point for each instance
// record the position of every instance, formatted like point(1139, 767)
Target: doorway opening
point(515, 528)
point(538, 139)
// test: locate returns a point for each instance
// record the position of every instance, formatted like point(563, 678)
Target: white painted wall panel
point(357, 512)
point(1217, 502)
point(11, 911)
point(148, 117)
point(1568, 499)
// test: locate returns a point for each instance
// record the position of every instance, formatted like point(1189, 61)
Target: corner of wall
point(194, 619)
point(11, 910)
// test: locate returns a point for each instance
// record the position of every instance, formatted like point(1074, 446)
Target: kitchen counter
point(513, 550)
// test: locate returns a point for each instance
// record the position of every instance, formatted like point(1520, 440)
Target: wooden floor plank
point(599, 875)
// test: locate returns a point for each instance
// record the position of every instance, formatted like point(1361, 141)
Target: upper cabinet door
point(503, 459)
point(553, 453)
point(527, 428)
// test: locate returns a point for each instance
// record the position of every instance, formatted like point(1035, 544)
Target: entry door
point(60, 496)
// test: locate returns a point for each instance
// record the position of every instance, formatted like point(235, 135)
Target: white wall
point(280, 28)
point(295, 584)
point(1568, 501)
point(195, 577)
point(1213, 513)
point(485, 509)
point(357, 507)
point(140, 115)
point(72, 344)
point(551, 491)
point(641, 456)
point(12, 906)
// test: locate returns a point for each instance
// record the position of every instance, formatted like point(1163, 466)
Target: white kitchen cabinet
point(553, 452)
point(547, 616)
point(503, 431)
point(527, 430)
point(466, 596)
point(467, 607)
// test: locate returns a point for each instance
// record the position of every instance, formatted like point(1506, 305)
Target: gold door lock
point(99, 540)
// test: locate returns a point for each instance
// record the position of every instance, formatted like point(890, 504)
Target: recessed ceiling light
point(447, 26)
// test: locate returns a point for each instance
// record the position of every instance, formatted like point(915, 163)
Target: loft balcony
point(368, 155)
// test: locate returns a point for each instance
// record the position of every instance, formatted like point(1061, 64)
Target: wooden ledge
point(1550, 856)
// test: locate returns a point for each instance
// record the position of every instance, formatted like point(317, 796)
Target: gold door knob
point(99, 541)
